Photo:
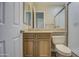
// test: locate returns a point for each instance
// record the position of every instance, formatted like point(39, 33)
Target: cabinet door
point(43, 47)
point(28, 47)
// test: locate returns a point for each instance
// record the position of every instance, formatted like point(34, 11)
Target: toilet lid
point(62, 49)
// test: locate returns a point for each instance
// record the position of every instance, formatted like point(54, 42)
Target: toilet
point(61, 49)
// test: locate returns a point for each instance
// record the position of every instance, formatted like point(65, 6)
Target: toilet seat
point(63, 50)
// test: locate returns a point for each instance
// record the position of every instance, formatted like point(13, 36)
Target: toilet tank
point(59, 39)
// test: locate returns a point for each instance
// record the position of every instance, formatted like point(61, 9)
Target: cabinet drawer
point(28, 35)
point(43, 35)
point(24, 40)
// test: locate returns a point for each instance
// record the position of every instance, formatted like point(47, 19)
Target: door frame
point(67, 21)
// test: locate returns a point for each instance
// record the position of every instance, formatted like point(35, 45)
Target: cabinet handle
point(21, 31)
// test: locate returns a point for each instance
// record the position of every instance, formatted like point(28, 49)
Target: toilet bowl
point(62, 49)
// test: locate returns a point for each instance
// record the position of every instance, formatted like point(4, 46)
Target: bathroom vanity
point(37, 43)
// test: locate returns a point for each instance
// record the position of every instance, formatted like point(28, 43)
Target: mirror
point(39, 15)
point(60, 19)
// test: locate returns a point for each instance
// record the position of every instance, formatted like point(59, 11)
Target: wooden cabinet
point(37, 44)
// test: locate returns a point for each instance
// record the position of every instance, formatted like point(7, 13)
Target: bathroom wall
point(73, 27)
